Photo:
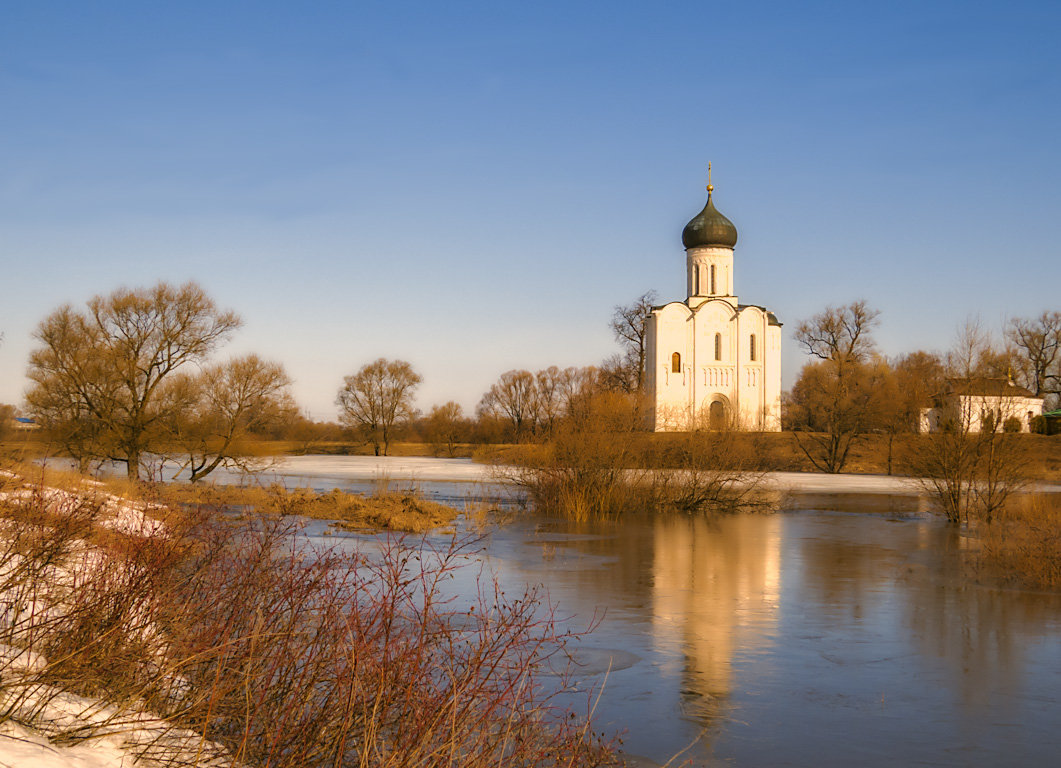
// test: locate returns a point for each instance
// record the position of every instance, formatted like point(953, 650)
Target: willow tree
point(378, 397)
point(220, 408)
point(103, 368)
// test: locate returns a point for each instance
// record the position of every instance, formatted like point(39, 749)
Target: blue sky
point(473, 186)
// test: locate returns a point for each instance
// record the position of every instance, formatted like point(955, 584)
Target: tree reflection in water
point(842, 631)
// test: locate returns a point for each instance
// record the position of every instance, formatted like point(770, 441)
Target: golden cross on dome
point(710, 186)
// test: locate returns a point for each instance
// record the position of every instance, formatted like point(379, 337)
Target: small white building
point(711, 361)
point(975, 404)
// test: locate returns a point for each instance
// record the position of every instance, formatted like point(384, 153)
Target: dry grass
point(1022, 545)
point(385, 510)
point(389, 509)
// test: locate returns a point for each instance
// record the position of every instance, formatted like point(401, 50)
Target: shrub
point(593, 465)
point(970, 475)
point(1023, 544)
point(246, 642)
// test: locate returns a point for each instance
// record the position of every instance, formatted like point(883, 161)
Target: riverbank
point(166, 634)
point(412, 469)
point(875, 454)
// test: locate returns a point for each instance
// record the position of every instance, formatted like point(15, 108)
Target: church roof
point(985, 387)
point(709, 227)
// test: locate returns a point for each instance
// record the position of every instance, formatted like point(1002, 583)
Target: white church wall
point(698, 269)
point(747, 384)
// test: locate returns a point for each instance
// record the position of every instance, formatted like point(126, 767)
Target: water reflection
point(716, 588)
point(816, 636)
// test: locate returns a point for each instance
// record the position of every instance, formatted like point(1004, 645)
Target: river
point(840, 630)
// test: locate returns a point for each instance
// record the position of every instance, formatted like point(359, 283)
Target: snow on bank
point(120, 514)
point(364, 468)
point(22, 747)
point(39, 717)
point(371, 468)
point(819, 482)
point(115, 736)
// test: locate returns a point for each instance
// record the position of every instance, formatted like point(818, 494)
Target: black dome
point(709, 227)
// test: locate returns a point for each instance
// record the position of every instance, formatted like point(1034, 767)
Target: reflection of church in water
point(716, 591)
point(710, 360)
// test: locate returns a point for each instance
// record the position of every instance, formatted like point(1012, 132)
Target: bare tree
point(107, 364)
point(68, 421)
point(444, 427)
point(834, 405)
point(971, 467)
point(627, 371)
point(828, 414)
point(578, 386)
point(919, 376)
point(513, 398)
point(840, 335)
point(906, 385)
point(975, 353)
point(1038, 341)
point(378, 397)
point(220, 407)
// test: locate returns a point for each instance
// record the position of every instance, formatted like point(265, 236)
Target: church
point(710, 361)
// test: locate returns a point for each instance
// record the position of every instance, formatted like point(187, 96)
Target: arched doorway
point(716, 415)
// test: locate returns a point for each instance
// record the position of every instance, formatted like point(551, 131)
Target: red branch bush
point(272, 651)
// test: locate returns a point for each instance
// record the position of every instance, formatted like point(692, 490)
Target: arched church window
point(713, 291)
point(751, 348)
point(696, 280)
point(718, 346)
point(676, 363)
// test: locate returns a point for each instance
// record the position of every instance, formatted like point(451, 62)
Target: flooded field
point(837, 632)
point(841, 630)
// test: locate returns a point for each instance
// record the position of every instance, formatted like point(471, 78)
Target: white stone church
point(712, 362)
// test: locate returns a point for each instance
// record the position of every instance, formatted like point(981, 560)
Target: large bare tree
point(220, 407)
point(103, 367)
point(971, 467)
point(378, 397)
point(835, 406)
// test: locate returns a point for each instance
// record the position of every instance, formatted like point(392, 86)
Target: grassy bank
point(385, 510)
point(777, 451)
